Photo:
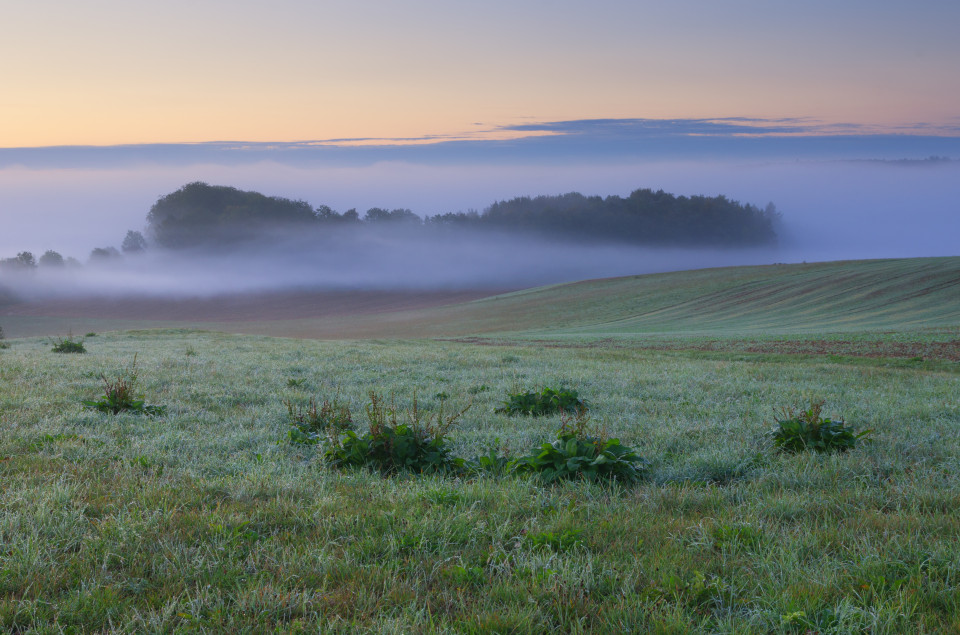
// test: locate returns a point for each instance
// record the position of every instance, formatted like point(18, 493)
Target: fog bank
point(380, 259)
point(832, 210)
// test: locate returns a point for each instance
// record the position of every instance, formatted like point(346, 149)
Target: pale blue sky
point(108, 71)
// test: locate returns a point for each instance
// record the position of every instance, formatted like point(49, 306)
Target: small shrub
point(119, 396)
point(418, 443)
point(546, 402)
point(68, 345)
point(313, 425)
point(577, 454)
point(799, 430)
point(2, 343)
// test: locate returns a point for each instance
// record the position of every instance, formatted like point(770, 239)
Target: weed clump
point(546, 402)
point(120, 395)
point(799, 430)
point(413, 441)
point(578, 454)
point(68, 345)
point(416, 441)
point(2, 343)
point(315, 424)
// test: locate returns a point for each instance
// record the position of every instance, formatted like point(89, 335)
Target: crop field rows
point(874, 297)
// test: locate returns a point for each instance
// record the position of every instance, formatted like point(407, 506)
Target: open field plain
point(207, 519)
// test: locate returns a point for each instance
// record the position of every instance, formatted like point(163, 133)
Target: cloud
point(729, 127)
point(547, 143)
point(664, 127)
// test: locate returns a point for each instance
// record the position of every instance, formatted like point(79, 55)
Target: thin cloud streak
point(571, 142)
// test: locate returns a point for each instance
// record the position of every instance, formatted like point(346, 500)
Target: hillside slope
point(837, 296)
point(849, 296)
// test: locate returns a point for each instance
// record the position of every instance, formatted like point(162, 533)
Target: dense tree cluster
point(644, 217)
point(199, 215)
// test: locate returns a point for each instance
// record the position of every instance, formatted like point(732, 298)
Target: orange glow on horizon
point(116, 73)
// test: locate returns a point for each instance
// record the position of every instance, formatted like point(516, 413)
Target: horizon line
point(715, 127)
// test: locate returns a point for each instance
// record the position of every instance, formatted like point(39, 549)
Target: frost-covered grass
point(208, 519)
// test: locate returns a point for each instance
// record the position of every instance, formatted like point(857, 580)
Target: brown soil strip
point(252, 307)
point(947, 350)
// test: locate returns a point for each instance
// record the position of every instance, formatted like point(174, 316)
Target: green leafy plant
point(68, 345)
point(493, 462)
point(120, 395)
point(798, 430)
point(546, 402)
point(577, 454)
point(2, 343)
point(416, 442)
point(315, 424)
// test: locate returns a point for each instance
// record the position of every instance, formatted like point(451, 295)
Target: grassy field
point(207, 519)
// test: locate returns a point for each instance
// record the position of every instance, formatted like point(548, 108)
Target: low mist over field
point(831, 207)
point(493, 261)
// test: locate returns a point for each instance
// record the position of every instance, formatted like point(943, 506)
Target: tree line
point(26, 261)
point(200, 214)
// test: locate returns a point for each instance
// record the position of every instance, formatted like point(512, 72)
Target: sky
point(105, 106)
point(108, 72)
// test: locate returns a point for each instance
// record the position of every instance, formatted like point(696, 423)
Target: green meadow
point(207, 518)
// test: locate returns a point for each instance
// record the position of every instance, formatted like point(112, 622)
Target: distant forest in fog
point(199, 215)
point(216, 218)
